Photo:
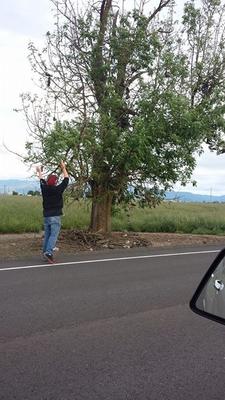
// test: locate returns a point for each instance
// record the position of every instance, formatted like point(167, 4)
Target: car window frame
point(202, 284)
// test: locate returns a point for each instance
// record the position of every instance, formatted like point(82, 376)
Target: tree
point(33, 193)
point(129, 97)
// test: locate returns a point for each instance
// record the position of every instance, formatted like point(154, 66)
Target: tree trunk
point(101, 210)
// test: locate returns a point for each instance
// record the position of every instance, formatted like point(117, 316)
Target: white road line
point(109, 259)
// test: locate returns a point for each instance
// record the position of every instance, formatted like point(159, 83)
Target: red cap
point(52, 180)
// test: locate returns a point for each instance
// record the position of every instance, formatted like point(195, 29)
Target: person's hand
point(38, 169)
point(63, 168)
point(62, 165)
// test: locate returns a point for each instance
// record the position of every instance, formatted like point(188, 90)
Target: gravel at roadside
point(21, 246)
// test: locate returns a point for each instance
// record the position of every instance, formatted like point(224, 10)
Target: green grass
point(24, 214)
point(20, 214)
point(195, 218)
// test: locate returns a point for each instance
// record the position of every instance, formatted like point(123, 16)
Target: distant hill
point(7, 186)
point(193, 198)
point(22, 186)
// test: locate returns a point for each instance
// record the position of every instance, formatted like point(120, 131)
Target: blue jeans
point(52, 227)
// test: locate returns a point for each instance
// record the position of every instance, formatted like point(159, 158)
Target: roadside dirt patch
point(18, 246)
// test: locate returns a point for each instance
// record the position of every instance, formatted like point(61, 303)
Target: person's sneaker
point(49, 258)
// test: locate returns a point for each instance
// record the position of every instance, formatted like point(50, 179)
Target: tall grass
point(24, 214)
point(20, 214)
point(195, 218)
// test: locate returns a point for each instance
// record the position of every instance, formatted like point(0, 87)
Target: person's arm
point(39, 172)
point(65, 181)
point(64, 170)
point(40, 176)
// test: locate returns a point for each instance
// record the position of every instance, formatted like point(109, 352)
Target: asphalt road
point(93, 328)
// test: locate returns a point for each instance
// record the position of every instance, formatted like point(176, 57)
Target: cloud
point(209, 175)
point(18, 21)
point(15, 78)
point(25, 17)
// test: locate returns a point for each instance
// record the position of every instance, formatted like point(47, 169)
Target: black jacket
point(53, 197)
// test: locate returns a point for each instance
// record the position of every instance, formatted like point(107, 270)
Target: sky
point(28, 20)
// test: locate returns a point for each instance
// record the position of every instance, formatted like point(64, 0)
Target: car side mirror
point(209, 298)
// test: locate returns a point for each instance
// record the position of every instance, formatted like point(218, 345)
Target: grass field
point(20, 214)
